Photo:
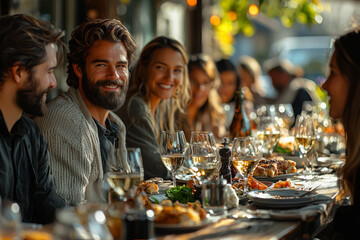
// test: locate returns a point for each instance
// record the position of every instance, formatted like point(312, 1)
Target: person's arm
point(140, 133)
point(71, 155)
point(46, 200)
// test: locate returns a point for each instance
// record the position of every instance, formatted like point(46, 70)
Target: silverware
point(311, 190)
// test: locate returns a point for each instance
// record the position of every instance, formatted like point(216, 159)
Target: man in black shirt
point(28, 49)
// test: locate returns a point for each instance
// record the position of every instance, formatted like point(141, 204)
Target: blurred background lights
point(215, 20)
point(253, 9)
point(232, 15)
point(191, 3)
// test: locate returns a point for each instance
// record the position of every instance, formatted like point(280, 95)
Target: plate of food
point(274, 169)
point(282, 198)
point(179, 216)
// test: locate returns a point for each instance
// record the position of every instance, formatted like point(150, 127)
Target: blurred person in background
point(343, 87)
point(205, 111)
point(250, 75)
point(27, 61)
point(289, 84)
point(157, 99)
point(230, 83)
point(80, 126)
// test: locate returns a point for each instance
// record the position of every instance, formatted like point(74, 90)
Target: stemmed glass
point(124, 171)
point(305, 137)
point(268, 132)
point(173, 147)
point(285, 114)
point(245, 157)
point(10, 220)
point(205, 161)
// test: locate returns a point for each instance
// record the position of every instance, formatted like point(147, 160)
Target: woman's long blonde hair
point(168, 110)
point(347, 55)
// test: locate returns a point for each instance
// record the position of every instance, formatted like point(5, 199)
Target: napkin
point(303, 213)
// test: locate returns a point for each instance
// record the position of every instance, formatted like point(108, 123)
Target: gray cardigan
point(74, 148)
point(140, 133)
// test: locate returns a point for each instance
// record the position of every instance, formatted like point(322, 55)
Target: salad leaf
point(182, 194)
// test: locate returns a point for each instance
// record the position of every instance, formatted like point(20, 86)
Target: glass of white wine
point(205, 161)
point(173, 146)
point(245, 157)
point(124, 171)
point(268, 132)
point(305, 137)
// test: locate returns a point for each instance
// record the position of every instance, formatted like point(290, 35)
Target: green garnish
point(182, 194)
point(279, 149)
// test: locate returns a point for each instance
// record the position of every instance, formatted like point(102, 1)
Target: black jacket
point(24, 171)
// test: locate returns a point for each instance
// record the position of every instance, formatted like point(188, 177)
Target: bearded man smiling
point(80, 126)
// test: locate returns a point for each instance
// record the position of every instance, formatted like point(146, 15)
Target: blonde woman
point(158, 95)
point(205, 111)
point(343, 87)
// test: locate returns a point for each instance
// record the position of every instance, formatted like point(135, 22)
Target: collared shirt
point(24, 171)
point(108, 137)
point(11, 158)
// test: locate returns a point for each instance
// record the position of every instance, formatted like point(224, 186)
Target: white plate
point(328, 161)
point(276, 178)
point(281, 198)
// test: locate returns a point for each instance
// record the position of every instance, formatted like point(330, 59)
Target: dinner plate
point(281, 198)
point(276, 178)
point(328, 161)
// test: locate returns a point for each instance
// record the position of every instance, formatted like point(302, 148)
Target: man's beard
point(30, 100)
point(110, 100)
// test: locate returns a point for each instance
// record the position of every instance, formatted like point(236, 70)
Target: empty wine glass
point(268, 132)
point(245, 157)
point(305, 137)
point(205, 161)
point(124, 171)
point(173, 146)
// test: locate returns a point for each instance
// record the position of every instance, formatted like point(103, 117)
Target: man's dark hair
point(23, 40)
point(84, 37)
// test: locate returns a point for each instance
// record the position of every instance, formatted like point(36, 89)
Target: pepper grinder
point(225, 154)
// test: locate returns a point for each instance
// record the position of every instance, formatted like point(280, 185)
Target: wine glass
point(205, 161)
point(124, 170)
point(268, 132)
point(285, 114)
point(173, 146)
point(305, 137)
point(10, 220)
point(245, 157)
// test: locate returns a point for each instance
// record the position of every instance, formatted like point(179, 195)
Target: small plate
point(281, 198)
point(276, 178)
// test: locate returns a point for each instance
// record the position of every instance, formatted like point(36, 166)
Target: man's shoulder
point(61, 110)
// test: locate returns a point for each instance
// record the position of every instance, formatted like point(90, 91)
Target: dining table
point(251, 221)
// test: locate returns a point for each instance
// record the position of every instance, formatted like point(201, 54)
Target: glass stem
point(245, 185)
point(174, 179)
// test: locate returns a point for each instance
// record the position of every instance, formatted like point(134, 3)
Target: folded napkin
point(320, 206)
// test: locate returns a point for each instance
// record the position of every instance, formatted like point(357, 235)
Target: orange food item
point(283, 184)
point(253, 183)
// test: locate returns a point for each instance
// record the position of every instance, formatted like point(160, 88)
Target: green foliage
point(182, 194)
point(287, 11)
